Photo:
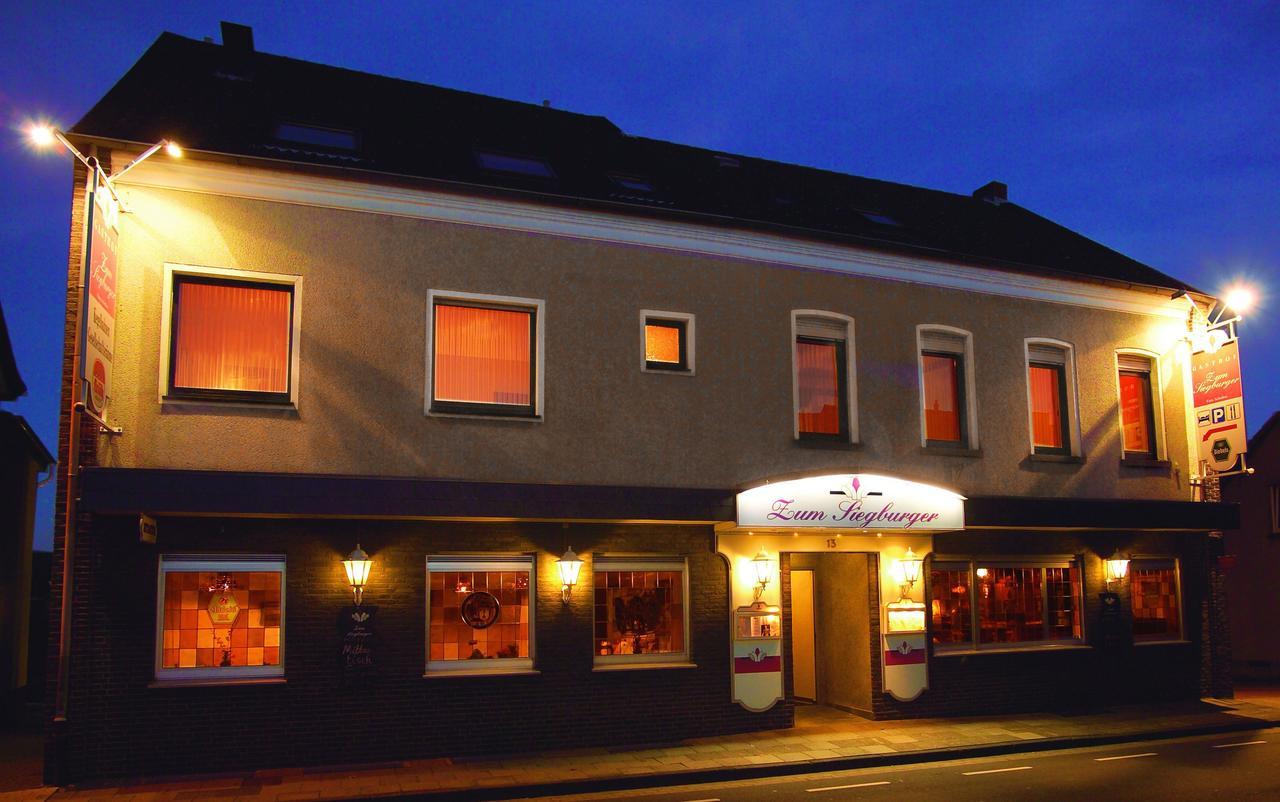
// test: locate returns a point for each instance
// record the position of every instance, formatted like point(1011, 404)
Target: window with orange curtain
point(943, 398)
point(1153, 594)
point(1048, 408)
point(664, 345)
point(1135, 413)
point(230, 340)
point(221, 618)
point(483, 359)
point(820, 379)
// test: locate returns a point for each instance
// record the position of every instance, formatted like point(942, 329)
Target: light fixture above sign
point(852, 501)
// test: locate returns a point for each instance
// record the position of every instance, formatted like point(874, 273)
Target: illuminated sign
point(851, 501)
point(1217, 394)
point(100, 322)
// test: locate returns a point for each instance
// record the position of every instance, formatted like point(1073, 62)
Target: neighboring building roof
point(233, 100)
point(1260, 436)
point(11, 384)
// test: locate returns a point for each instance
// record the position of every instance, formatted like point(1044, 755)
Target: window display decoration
point(480, 610)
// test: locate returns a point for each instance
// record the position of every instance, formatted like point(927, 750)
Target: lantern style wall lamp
point(569, 565)
point(907, 572)
point(358, 566)
point(763, 568)
point(1115, 568)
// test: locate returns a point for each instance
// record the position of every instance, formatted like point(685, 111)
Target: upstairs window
point(822, 377)
point(668, 340)
point(945, 362)
point(1047, 386)
point(1137, 408)
point(231, 336)
point(484, 356)
point(517, 165)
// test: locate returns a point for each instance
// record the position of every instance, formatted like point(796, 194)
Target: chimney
point(237, 38)
point(996, 192)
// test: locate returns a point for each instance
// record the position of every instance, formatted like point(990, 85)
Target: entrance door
point(804, 672)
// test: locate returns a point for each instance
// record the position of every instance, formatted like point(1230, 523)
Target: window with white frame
point(229, 335)
point(1051, 397)
point(484, 355)
point(667, 341)
point(1156, 600)
point(825, 384)
point(947, 415)
point(220, 617)
point(1005, 603)
point(1137, 385)
point(480, 613)
point(641, 610)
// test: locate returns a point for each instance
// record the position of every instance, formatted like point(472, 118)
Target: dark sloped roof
point(223, 100)
point(11, 384)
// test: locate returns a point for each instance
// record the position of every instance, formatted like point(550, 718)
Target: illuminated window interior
point(1005, 604)
point(483, 356)
point(943, 411)
point(479, 613)
point(639, 610)
point(1153, 594)
point(665, 345)
point(1136, 407)
point(1048, 418)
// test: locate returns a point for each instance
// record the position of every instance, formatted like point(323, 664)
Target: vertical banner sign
point(100, 323)
point(1218, 397)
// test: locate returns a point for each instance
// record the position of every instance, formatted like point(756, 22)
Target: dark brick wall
point(1064, 681)
point(121, 726)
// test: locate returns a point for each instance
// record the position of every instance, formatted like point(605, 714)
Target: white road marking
point(994, 771)
point(1242, 743)
point(1125, 757)
point(842, 787)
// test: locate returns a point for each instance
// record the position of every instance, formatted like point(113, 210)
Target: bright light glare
point(40, 135)
point(1239, 299)
point(173, 149)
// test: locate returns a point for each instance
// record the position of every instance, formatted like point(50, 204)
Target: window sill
point(1063, 459)
point(476, 416)
point(822, 444)
point(493, 672)
point(948, 451)
point(607, 667)
point(212, 405)
point(1040, 647)
point(1140, 644)
point(1145, 462)
point(668, 371)
point(202, 683)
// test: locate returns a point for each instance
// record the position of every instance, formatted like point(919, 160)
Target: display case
point(906, 670)
point(757, 656)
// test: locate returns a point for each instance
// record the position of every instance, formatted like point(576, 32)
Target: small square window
point(231, 338)
point(220, 618)
point(667, 339)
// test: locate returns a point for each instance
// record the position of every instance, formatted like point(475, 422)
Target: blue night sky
point(1150, 127)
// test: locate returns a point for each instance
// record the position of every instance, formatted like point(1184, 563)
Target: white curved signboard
point(851, 501)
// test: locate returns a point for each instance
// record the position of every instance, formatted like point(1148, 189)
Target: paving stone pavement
point(820, 734)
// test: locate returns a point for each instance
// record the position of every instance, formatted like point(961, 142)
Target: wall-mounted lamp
point(1116, 567)
point(908, 570)
point(569, 566)
point(764, 571)
point(358, 565)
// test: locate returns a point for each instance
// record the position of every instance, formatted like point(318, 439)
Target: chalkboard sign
point(358, 641)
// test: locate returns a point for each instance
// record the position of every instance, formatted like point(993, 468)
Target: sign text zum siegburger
point(852, 512)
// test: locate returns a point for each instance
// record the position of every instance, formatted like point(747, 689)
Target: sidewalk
point(822, 740)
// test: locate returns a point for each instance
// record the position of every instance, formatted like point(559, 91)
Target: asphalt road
point(1238, 766)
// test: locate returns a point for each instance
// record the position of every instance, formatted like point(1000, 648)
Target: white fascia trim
point(540, 352)
point(354, 195)
point(166, 327)
point(850, 367)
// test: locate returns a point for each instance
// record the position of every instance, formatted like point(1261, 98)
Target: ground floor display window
point(1004, 603)
point(1153, 593)
point(220, 617)
point(479, 613)
point(640, 610)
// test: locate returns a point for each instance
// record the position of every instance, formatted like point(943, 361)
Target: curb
point(727, 774)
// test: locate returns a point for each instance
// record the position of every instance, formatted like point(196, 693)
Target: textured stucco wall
point(362, 383)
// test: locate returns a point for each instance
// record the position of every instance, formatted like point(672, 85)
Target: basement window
point(335, 138)
point(517, 165)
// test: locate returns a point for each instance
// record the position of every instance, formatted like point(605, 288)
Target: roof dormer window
point(318, 136)
point(516, 165)
point(631, 183)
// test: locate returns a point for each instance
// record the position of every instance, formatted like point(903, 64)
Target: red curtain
point(662, 344)
point(482, 355)
point(232, 338)
point(819, 380)
point(1046, 406)
point(941, 398)
point(1135, 389)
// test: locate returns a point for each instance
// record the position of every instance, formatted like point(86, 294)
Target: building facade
point(814, 438)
